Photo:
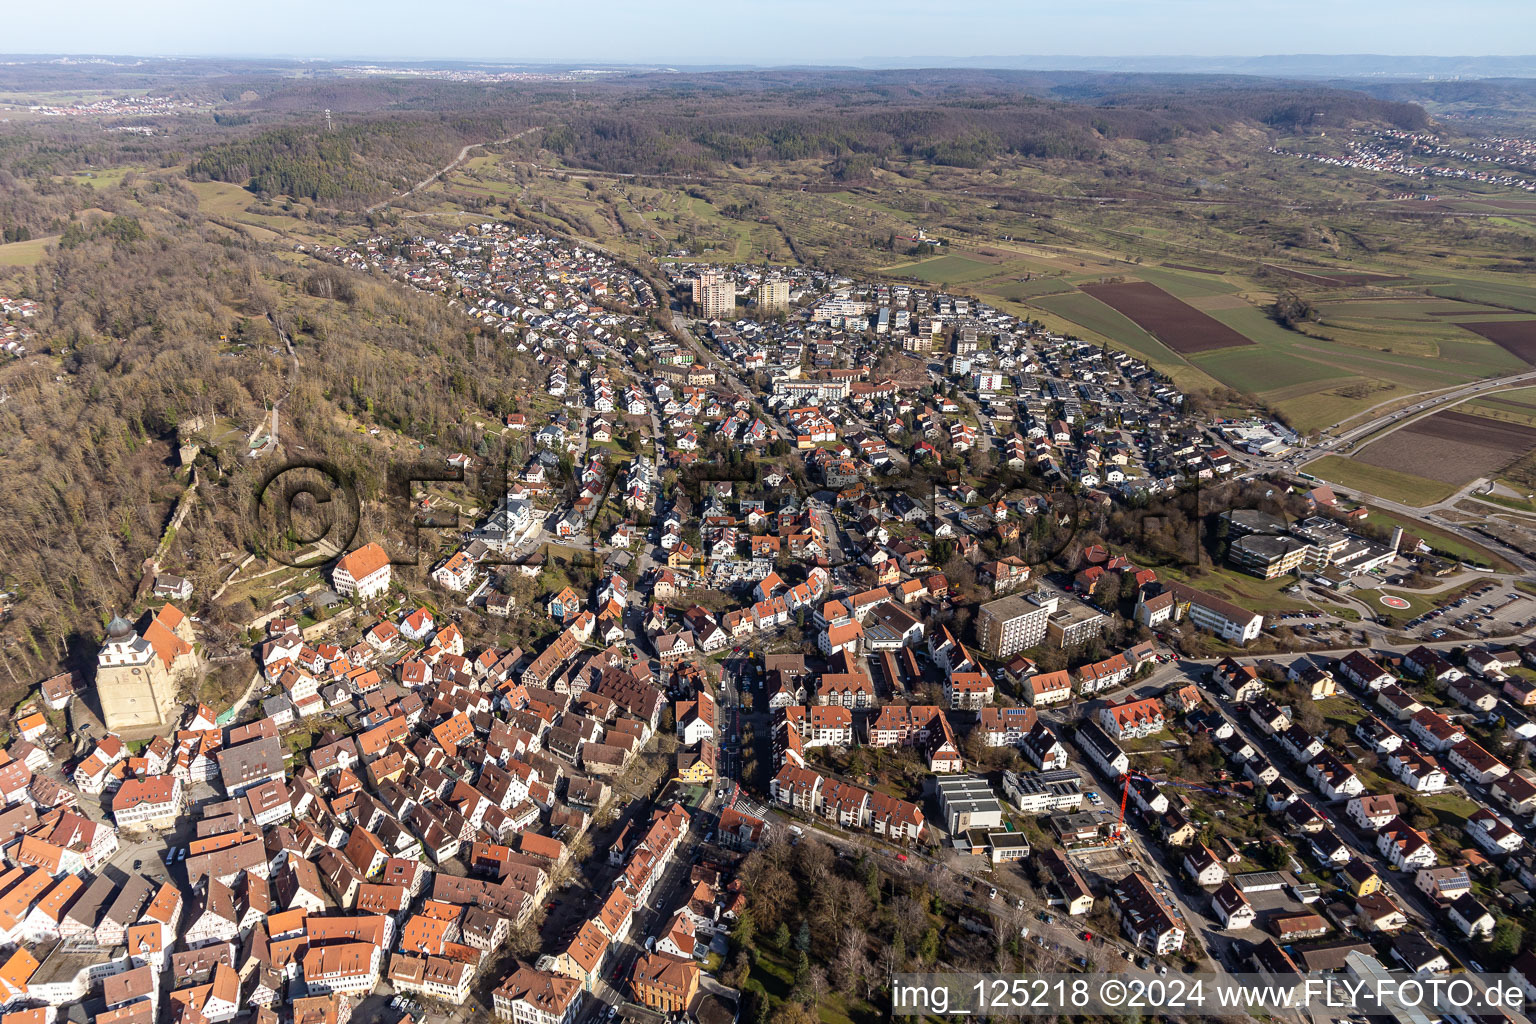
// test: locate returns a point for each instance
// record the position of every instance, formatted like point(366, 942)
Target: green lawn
point(1345, 711)
point(1452, 810)
point(1242, 589)
point(776, 977)
point(25, 254)
point(1385, 483)
point(1418, 604)
point(105, 178)
point(1441, 540)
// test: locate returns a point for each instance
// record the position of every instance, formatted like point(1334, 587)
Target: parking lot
point(1491, 608)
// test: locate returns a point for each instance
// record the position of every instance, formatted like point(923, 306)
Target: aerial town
point(785, 561)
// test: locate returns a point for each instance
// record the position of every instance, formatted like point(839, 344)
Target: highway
point(1434, 401)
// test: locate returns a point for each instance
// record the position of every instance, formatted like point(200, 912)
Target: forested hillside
point(350, 165)
point(152, 319)
point(936, 122)
point(699, 124)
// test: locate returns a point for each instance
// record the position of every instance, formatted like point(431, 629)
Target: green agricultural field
point(1317, 410)
point(1023, 291)
point(25, 254)
point(1257, 369)
point(1515, 406)
point(1098, 318)
point(1379, 361)
point(1493, 293)
point(947, 270)
point(1183, 284)
point(1398, 308)
point(1371, 351)
point(1386, 483)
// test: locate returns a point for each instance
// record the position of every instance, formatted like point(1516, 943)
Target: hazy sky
point(759, 32)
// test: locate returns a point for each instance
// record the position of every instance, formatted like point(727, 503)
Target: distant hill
point(1300, 65)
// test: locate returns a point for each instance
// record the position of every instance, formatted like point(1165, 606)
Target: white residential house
point(1204, 867)
point(1471, 917)
point(1405, 847)
point(1232, 908)
point(1492, 833)
point(1372, 813)
point(364, 572)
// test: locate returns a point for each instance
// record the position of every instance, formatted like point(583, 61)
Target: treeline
point(346, 166)
point(657, 135)
point(34, 209)
point(89, 422)
point(304, 163)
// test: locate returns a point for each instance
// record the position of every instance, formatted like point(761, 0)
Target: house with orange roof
point(616, 914)
point(582, 959)
point(1132, 719)
point(32, 725)
point(453, 732)
point(149, 803)
point(417, 625)
point(665, 983)
point(968, 690)
point(137, 672)
point(346, 967)
point(16, 973)
point(42, 923)
point(1045, 688)
point(846, 637)
point(364, 572)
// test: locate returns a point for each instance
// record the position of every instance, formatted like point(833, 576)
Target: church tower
point(137, 673)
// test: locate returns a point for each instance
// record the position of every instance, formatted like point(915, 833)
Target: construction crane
point(1125, 792)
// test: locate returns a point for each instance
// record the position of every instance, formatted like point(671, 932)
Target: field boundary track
point(1339, 280)
point(1169, 319)
point(1517, 337)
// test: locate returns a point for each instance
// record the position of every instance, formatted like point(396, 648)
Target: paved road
point(666, 897)
point(1397, 418)
point(684, 327)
